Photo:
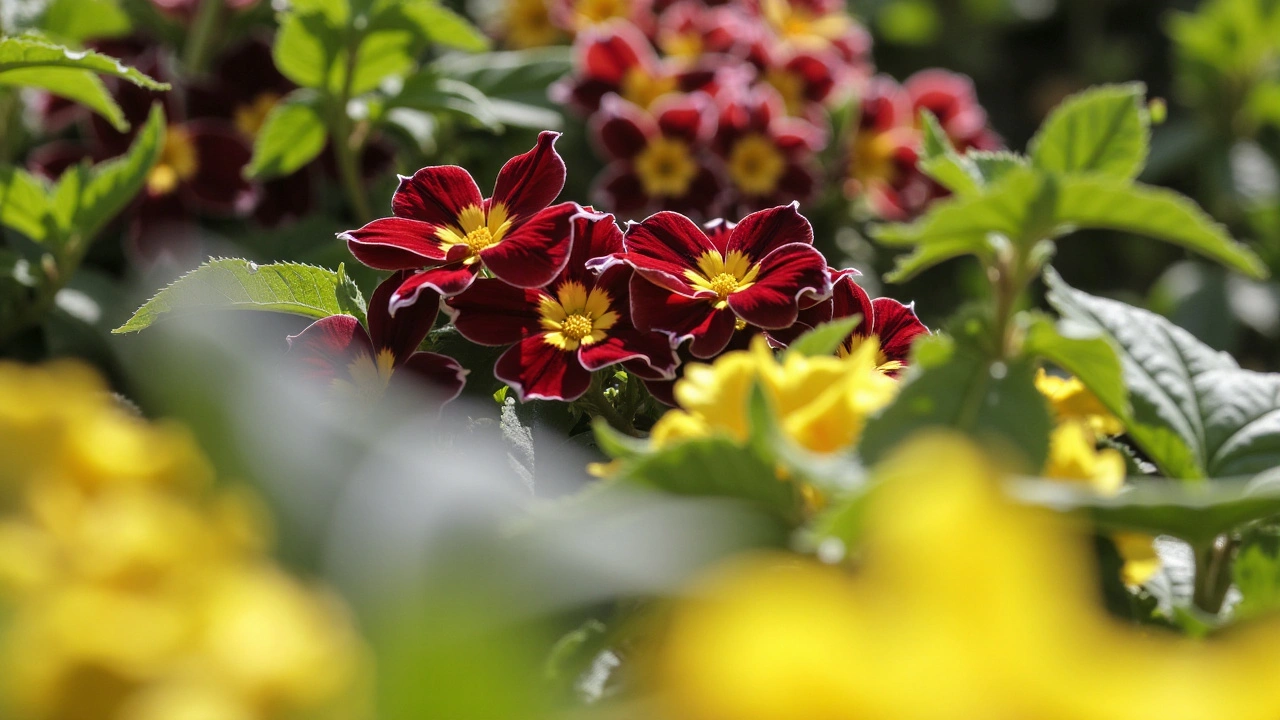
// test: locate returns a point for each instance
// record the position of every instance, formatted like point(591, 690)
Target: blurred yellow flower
point(135, 589)
point(965, 606)
point(820, 402)
point(1071, 400)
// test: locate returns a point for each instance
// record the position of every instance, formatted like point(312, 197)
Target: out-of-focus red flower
point(560, 334)
point(818, 26)
point(688, 30)
point(768, 157)
point(359, 363)
point(523, 24)
point(660, 161)
point(693, 288)
point(577, 16)
point(617, 58)
point(805, 80)
point(952, 99)
point(442, 223)
point(882, 158)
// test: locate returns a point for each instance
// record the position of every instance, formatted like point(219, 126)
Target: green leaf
point(959, 388)
point(937, 252)
point(1194, 512)
point(1097, 202)
point(1196, 413)
point(235, 284)
point(992, 166)
point(111, 185)
point(717, 467)
point(941, 162)
point(1086, 354)
point(306, 48)
point(424, 91)
point(349, 298)
point(615, 444)
point(519, 75)
point(79, 86)
point(1256, 572)
point(24, 203)
point(292, 136)
point(826, 338)
point(442, 26)
point(1102, 130)
point(18, 53)
point(79, 20)
point(383, 53)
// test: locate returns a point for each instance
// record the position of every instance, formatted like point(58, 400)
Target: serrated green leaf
point(111, 185)
point(1101, 130)
point(349, 298)
point(992, 166)
point(442, 26)
point(1194, 512)
point(1096, 202)
point(1196, 413)
point(24, 203)
point(1086, 354)
point(994, 402)
point(24, 52)
point(941, 162)
point(78, 86)
point(235, 284)
point(926, 256)
point(293, 134)
point(826, 338)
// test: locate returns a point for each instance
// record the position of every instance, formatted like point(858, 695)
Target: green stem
point(201, 39)
point(597, 401)
point(1213, 574)
point(340, 130)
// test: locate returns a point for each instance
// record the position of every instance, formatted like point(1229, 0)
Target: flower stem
point(599, 406)
point(342, 140)
point(200, 41)
point(1213, 574)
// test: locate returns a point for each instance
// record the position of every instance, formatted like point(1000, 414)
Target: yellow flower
point(1074, 455)
point(1071, 400)
point(964, 606)
point(820, 402)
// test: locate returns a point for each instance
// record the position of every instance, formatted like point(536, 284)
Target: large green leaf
point(826, 338)
point(1195, 512)
point(79, 20)
point(236, 284)
point(292, 136)
point(24, 203)
point(441, 26)
point(1086, 354)
point(79, 86)
point(1101, 130)
point(306, 48)
point(23, 52)
point(111, 185)
point(1195, 412)
point(997, 403)
point(518, 75)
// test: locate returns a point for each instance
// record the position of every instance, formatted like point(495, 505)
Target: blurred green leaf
point(442, 26)
point(24, 203)
point(1086, 354)
point(235, 284)
point(1102, 130)
point(826, 338)
point(424, 91)
point(615, 444)
point(25, 52)
point(941, 162)
point(519, 75)
point(79, 86)
point(111, 185)
point(306, 47)
point(79, 20)
point(292, 136)
point(1256, 572)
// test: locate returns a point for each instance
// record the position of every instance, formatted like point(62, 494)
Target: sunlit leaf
point(23, 52)
point(1101, 130)
point(292, 136)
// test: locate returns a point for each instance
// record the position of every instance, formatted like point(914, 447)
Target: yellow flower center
point(739, 324)
point(666, 168)
point(883, 363)
point(594, 12)
point(529, 25)
point(250, 118)
point(642, 88)
point(475, 230)
point(872, 158)
point(790, 86)
point(683, 46)
point(576, 317)
point(803, 28)
point(178, 162)
point(369, 377)
point(755, 165)
point(723, 275)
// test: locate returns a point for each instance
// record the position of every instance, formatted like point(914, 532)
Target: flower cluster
point(569, 293)
point(713, 109)
point(136, 589)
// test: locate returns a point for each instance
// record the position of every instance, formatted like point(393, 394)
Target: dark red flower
point(952, 99)
point(577, 324)
point(578, 16)
point(689, 287)
point(818, 26)
point(359, 363)
point(659, 161)
point(443, 224)
point(617, 58)
point(768, 157)
point(894, 325)
point(805, 80)
point(883, 154)
point(688, 30)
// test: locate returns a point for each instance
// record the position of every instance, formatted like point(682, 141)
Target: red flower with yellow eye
point(577, 324)
point(882, 162)
point(443, 224)
point(358, 364)
point(805, 80)
point(894, 325)
point(659, 161)
point(952, 99)
point(818, 26)
point(688, 30)
point(617, 58)
point(768, 157)
point(696, 287)
point(577, 16)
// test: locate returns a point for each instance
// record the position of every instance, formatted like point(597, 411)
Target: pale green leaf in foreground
point(23, 52)
point(1102, 130)
point(112, 185)
point(78, 86)
point(235, 284)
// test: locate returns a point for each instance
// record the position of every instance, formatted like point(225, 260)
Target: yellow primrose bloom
point(820, 402)
point(1074, 455)
point(1071, 400)
point(964, 606)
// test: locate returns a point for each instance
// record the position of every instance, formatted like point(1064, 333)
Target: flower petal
point(447, 280)
point(621, 129)
point(897, 327)
point(535, 252)
point(436, 195)
point(492, 312)
point(441, 374)
point(537, 370)
point(662, 246)
point(218, 185)
point(596, 236)
point(786, 274)
point(618, 188)
point(654, 308)
point(395, 244)
point(760, 233)
point(326, 347)
point(849, 299)
point(688, 117)
point(528, 183)
point(404, 333)
point(624, 344)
